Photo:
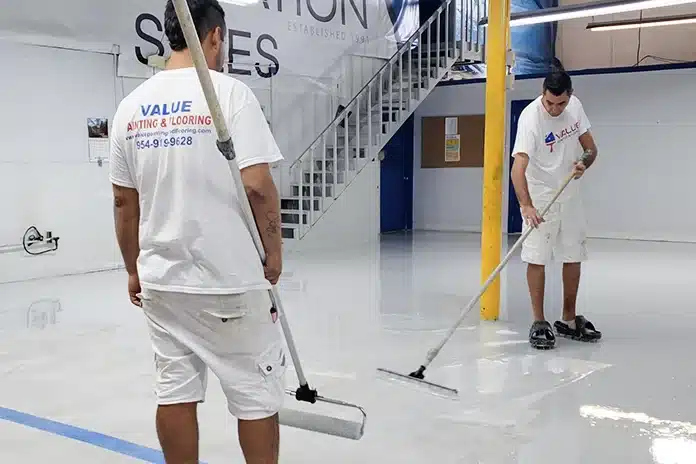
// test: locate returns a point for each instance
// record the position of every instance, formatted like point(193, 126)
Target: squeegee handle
point(435, 351)
point(226, 147)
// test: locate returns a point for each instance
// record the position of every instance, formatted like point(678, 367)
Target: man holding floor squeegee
point(553, 133)
point(553, 147)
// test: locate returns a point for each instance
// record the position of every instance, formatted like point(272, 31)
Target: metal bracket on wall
point(510, 58)
point(510, 62)
point(510, 81)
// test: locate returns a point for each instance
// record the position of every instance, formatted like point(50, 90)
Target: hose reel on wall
point(30, 239)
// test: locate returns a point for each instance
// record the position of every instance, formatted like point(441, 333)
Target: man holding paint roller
point(553, 135)
point(191, 261)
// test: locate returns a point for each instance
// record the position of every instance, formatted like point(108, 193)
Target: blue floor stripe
point(100, 440)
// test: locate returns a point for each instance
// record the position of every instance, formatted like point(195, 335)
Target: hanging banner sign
point(302, 58)
point(301, 37)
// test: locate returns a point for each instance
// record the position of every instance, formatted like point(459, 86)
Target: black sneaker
point(541, 335)
point(584, 330)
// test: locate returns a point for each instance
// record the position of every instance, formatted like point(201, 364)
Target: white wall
point(627, 47)
point(443, 198)
point(46, 179)
point(437, 201)
point(313, 68)
point(643, 123)
point(353, 219)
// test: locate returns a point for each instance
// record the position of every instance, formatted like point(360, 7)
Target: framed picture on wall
point(98, 140)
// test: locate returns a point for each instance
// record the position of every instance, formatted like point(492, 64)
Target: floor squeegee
point(418, 376)
point(303, 420)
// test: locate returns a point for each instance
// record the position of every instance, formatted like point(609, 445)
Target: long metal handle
point(225, 145)
point(435, 351)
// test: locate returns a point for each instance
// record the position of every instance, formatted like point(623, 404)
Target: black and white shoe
point(541, 335)
point(584, 330)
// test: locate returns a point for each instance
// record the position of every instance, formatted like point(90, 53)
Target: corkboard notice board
point(452, 141)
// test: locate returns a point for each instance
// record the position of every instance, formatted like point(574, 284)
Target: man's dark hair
point(206, 14)
point(558, 80)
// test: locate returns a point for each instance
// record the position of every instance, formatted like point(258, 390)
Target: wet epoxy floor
point(73, 350)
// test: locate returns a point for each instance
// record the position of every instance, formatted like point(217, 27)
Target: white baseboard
point(444, 228)
point(643, 238)
point(107, 268)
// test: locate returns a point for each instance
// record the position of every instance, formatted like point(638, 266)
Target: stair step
point(290, 232)
point(434, 61)
point(329, 163)
point(435, 48)
point(340, 155)
point(395, 98)
point(413, 85)
point(399, 99)
point(291, 217)
point(306, 191)
point(318, 178)
point(341, 132)
point(293, 203)
point(394, 115)
point(385, 107)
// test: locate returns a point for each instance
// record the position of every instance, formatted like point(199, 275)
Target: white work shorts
point(562, 236)
point(233, 335)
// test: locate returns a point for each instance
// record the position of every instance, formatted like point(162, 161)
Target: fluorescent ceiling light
point(639, 23)
point(585, 10)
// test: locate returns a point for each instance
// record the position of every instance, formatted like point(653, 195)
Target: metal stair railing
point(351, 140)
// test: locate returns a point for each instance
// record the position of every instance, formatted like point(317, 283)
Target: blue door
point(396, 179)
point(514, 216)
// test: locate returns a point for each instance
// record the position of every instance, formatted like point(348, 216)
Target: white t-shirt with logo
point(553, 148)
point(193, 235)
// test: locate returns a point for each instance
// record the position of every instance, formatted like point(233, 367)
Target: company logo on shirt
point(164, 125)
point(552, 139)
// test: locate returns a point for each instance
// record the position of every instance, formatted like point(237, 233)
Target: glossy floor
point(74, 351)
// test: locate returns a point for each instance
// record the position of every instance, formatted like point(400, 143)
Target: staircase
point(359, 131)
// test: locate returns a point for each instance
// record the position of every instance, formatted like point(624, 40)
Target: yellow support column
point(494, 146)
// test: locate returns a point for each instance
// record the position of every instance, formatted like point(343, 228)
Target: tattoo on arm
point(591, 156)
point(265, 206)
point(273, 225)
point(589, 147)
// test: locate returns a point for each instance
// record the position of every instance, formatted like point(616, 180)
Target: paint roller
point(293, 418)
point(417, 377)
point(325, 424)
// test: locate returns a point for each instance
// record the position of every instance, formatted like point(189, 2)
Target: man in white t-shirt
point(552, 135)
point(191, 262)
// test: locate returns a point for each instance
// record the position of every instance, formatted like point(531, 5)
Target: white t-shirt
point(553, 148)
point(193, 235)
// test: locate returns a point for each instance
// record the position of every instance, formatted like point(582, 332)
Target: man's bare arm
point(590, 148)
point(519, 181)
point(127, 220)
point(265, 204)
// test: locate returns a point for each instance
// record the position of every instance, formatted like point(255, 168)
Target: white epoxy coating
point(73, 350)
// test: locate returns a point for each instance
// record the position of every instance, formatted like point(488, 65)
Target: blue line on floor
point(107, 442)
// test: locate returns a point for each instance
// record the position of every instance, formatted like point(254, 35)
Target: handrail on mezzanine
point(400, 51)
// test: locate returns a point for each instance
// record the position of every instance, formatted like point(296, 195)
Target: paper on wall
point(450, 126)
point(452, 152)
